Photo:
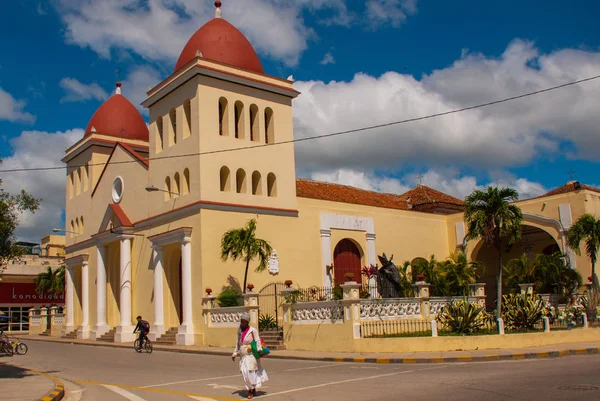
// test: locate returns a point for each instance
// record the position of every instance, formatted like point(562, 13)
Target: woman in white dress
point(252, 371)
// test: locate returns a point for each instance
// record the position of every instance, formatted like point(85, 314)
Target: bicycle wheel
point(21, 348)
point(8, 349)
point(136, 345)
point(148, 346)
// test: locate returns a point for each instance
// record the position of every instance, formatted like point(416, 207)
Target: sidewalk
point(19, 384)
point(550, 351)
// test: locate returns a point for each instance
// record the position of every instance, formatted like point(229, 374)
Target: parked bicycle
point(146, 345)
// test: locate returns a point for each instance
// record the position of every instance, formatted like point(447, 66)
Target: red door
point(346, 259)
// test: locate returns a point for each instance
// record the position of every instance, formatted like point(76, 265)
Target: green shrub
point(229, 298)
point(522, 311)
point(463, 317)
point(266, 322)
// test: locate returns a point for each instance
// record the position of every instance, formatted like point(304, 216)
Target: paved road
point(113, 374)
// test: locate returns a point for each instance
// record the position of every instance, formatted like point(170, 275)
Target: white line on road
point(126, 394)
point(348, 381)
point(315, 367)
point(201, 398)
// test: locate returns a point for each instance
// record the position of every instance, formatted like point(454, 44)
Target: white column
point(158, 328)
point(83, 331)
point(101, 326)
point(326, 257)
point(372, 260)
point(69, 326)
point(185, 334)
point(124, 332)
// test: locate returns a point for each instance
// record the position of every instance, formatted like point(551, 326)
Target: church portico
point(178, 274)
point(73, 284)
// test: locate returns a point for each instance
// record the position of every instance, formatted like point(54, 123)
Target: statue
point(388, 278)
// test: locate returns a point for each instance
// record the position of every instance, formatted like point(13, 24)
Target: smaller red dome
point(119, 118)
point(220, 41)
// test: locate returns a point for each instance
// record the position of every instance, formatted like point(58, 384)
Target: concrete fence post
point(585, 321)
point(500, 326)
point(434, 329)
point(546, 324)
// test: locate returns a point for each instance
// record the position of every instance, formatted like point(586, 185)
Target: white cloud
point(12, 109)
point(449, 181)
point(379, 12)
point(137, 83)
point(78, 91)
point(496, 137)
point(39, 149)
point(158, 30)
point(328, 59)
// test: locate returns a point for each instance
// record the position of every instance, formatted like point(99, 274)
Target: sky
point(357, 63)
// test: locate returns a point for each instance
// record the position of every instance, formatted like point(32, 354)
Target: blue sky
point(357, 63)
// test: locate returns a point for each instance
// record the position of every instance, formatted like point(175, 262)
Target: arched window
point(173, 119)
point(160, 139)
point(176, 185)
point(240, 181)
point(254, 136)
point(77, 228)
point(86, 175)
point(271, 185)
point(269, 126)
point(71, 185)
point(167, 188)
point(187, 115)
point(82, 228)
point(77, 182)
point(225, 179)
point(239, 119)
point(223, 117)
point(186, 181)
point(256, 183)
point(72, 229)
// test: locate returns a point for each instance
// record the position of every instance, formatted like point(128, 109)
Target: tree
point(520, 271)
point(432, 272)
point(587, 228)
point(459, 273)
point(51, 282)
point(241, 243)
point(490, 216)
point(11, 206)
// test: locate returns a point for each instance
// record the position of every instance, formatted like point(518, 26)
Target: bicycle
point(146, 346)
point(6, 347)
point(19, 347)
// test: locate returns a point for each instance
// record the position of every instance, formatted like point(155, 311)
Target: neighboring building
point(17, 286)
point(134, 251)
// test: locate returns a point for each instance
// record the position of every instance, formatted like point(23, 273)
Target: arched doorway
point(346, 260)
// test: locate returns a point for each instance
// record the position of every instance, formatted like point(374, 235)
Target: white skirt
point(252, 372)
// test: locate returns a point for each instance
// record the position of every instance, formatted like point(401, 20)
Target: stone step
point(71, 335)
point(108, 337)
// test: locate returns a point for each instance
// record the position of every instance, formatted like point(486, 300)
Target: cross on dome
point(118, 90)
point(218, 5)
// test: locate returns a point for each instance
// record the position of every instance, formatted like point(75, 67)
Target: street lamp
point(58, 230)
point(152, 188)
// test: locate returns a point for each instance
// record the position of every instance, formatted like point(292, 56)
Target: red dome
point(218, 40)
point(119, 118)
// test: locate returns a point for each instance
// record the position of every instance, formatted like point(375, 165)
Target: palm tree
point(406, 286)
point(587, 228)
point(520, 271)
point(51, 282)
point(459, 272)
point(490, 216)
point(241, 243)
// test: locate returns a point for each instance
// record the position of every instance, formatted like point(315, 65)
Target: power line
point(409, 120)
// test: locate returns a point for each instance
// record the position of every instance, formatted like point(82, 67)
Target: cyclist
point(144, 328)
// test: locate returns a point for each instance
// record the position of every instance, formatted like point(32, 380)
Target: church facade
point(147, 205)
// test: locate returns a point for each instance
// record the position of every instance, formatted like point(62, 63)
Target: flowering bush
point(370, 271)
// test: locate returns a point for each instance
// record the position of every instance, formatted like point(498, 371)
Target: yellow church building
point(147, 205)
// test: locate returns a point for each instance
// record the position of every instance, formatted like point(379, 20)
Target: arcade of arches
point(533, 242)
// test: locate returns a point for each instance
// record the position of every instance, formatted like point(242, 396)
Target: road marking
point(348, 381)
point(312, 367)
point(126, 394)
point(219, 386)
point(201, 398)
point(152, 390)
point(191, 381)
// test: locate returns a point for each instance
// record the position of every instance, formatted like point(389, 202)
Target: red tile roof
point(570, 187)
point(118, 211)
point(422, 195)
point(346, 194)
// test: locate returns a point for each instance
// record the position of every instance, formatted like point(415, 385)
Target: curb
point(465, 358)
point(59, 388)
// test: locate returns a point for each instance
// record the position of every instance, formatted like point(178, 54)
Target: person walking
point(250, 367)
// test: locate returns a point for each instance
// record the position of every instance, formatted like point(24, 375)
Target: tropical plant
point(553, 274)
point(266, 322)
point(241, 243)
point(490, 216)
point(463, 317)
point(51, 282)
point(406, 285)
point(522, 311)
point(519, 271)
point(431, 270)
point(229, 298)
point(458, 273)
